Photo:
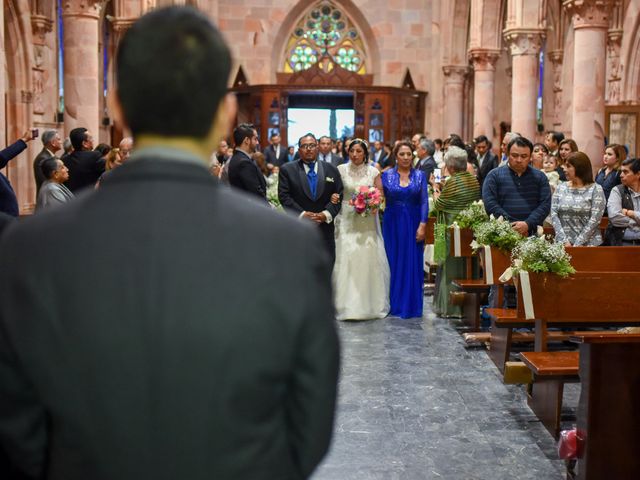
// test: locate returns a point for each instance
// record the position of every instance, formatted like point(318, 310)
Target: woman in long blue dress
point(403, 229)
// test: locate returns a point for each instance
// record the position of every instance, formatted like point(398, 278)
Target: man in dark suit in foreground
point(131, 359)
point(306, 186)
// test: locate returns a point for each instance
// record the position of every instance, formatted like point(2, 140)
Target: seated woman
point(458, 192)
point(624, 206)
point(578, 204)
point(53, 192)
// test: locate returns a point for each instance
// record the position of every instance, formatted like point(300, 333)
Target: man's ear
point(115, 109)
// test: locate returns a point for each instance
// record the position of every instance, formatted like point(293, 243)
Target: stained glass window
point(326, 36)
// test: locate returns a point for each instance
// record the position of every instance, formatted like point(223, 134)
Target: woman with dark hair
point(404, 228)
point(566, 148)
point(53, 192)
point(540, 151)
point(624, 206)
point(578, 204)
point(609, 175)
point(361, 271)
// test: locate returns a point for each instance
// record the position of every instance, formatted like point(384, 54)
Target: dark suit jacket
point(270, 155)
point(490, 162)
point(85, 168)
point(8, 200)
point(245, 175)
point(122, 362)
point(37, 171)
point(334, 159)
point(428, 166)
point(295, 194)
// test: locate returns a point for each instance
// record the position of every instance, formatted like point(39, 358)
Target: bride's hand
point(335, 198)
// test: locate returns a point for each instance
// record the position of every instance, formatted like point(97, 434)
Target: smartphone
point(437, 175)
point(34, 133)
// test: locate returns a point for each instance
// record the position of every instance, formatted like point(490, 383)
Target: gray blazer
point(51, 194)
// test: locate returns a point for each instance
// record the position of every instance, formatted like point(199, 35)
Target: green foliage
point(538, 254)
point(472, 216)
point(497, 232)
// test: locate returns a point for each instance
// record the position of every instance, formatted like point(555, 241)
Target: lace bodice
point(354, 177)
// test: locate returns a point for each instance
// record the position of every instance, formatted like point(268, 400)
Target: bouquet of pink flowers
point(366, 201)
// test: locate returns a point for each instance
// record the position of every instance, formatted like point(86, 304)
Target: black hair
point(242, 131)
point(172, 68)
point(633, 164)
point(557, 136)
point(305, 136)
point(521, 142)
point(542, 146)
point(77, 136)
point(363, 144)
point(49, 166)
point(275, 133)
point(103, 148)
point(481, 139)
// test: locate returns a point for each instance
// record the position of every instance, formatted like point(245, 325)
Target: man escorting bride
point(361, 273)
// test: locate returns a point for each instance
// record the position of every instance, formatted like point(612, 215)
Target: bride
point(361, 272)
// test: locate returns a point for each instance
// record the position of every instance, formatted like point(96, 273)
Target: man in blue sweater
point(519, 192)
point(8, 200)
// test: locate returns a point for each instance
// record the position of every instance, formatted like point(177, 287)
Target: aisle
point(415, 405)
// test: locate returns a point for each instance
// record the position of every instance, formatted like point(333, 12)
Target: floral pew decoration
point(495, 238)
point(538, 255)
point(469, 218)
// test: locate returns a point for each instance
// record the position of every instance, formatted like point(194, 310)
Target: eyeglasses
point(308, 146)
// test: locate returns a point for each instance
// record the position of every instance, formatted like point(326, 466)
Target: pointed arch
point(301, 9)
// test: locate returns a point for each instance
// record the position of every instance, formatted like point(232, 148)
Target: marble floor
point(415, 404)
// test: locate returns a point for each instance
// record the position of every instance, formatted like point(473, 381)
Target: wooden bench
point(608, 422)
point(551, 370)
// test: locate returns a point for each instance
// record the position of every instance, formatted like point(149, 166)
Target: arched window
point(325, 33)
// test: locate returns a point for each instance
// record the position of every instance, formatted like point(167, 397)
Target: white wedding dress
point(361, 273)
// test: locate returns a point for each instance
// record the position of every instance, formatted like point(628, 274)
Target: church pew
point(503, 321)
point(607, 422)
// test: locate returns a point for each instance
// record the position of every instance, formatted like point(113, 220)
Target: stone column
point(81, 67)
point(590, 22)
point(525, 49)
point(454, 98)
point(484, 69)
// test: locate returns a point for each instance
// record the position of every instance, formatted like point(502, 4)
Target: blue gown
point(406, 208)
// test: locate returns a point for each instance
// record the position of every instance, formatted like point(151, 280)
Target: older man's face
point(56, 143)
point(505, 143)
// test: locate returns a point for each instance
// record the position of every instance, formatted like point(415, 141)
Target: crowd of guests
point(543, 184)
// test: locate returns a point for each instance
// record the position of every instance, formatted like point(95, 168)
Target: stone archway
point(300, 9)
point(18, 39)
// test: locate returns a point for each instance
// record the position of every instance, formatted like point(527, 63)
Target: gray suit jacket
point(51, 194)
point(37, 171)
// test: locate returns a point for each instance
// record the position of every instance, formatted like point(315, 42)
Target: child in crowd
point(549, 165)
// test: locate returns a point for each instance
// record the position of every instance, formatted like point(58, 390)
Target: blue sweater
point(8, 200)
point(517, 198)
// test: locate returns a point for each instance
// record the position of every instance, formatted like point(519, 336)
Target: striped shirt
point(517, 198)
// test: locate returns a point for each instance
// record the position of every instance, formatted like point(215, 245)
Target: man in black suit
point(324, 153)
point(275, 154)
point(52, 143)
point(486, 158)
point(85, 164)
point(243, 172)
point(426, 162)
point(306, 186)
point(131, 359)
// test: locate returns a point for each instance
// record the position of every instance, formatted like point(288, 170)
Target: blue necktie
point(313, 179)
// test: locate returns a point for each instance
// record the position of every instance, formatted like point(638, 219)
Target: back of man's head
point(241, 132)
point(172, 68)
point(77, 136)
